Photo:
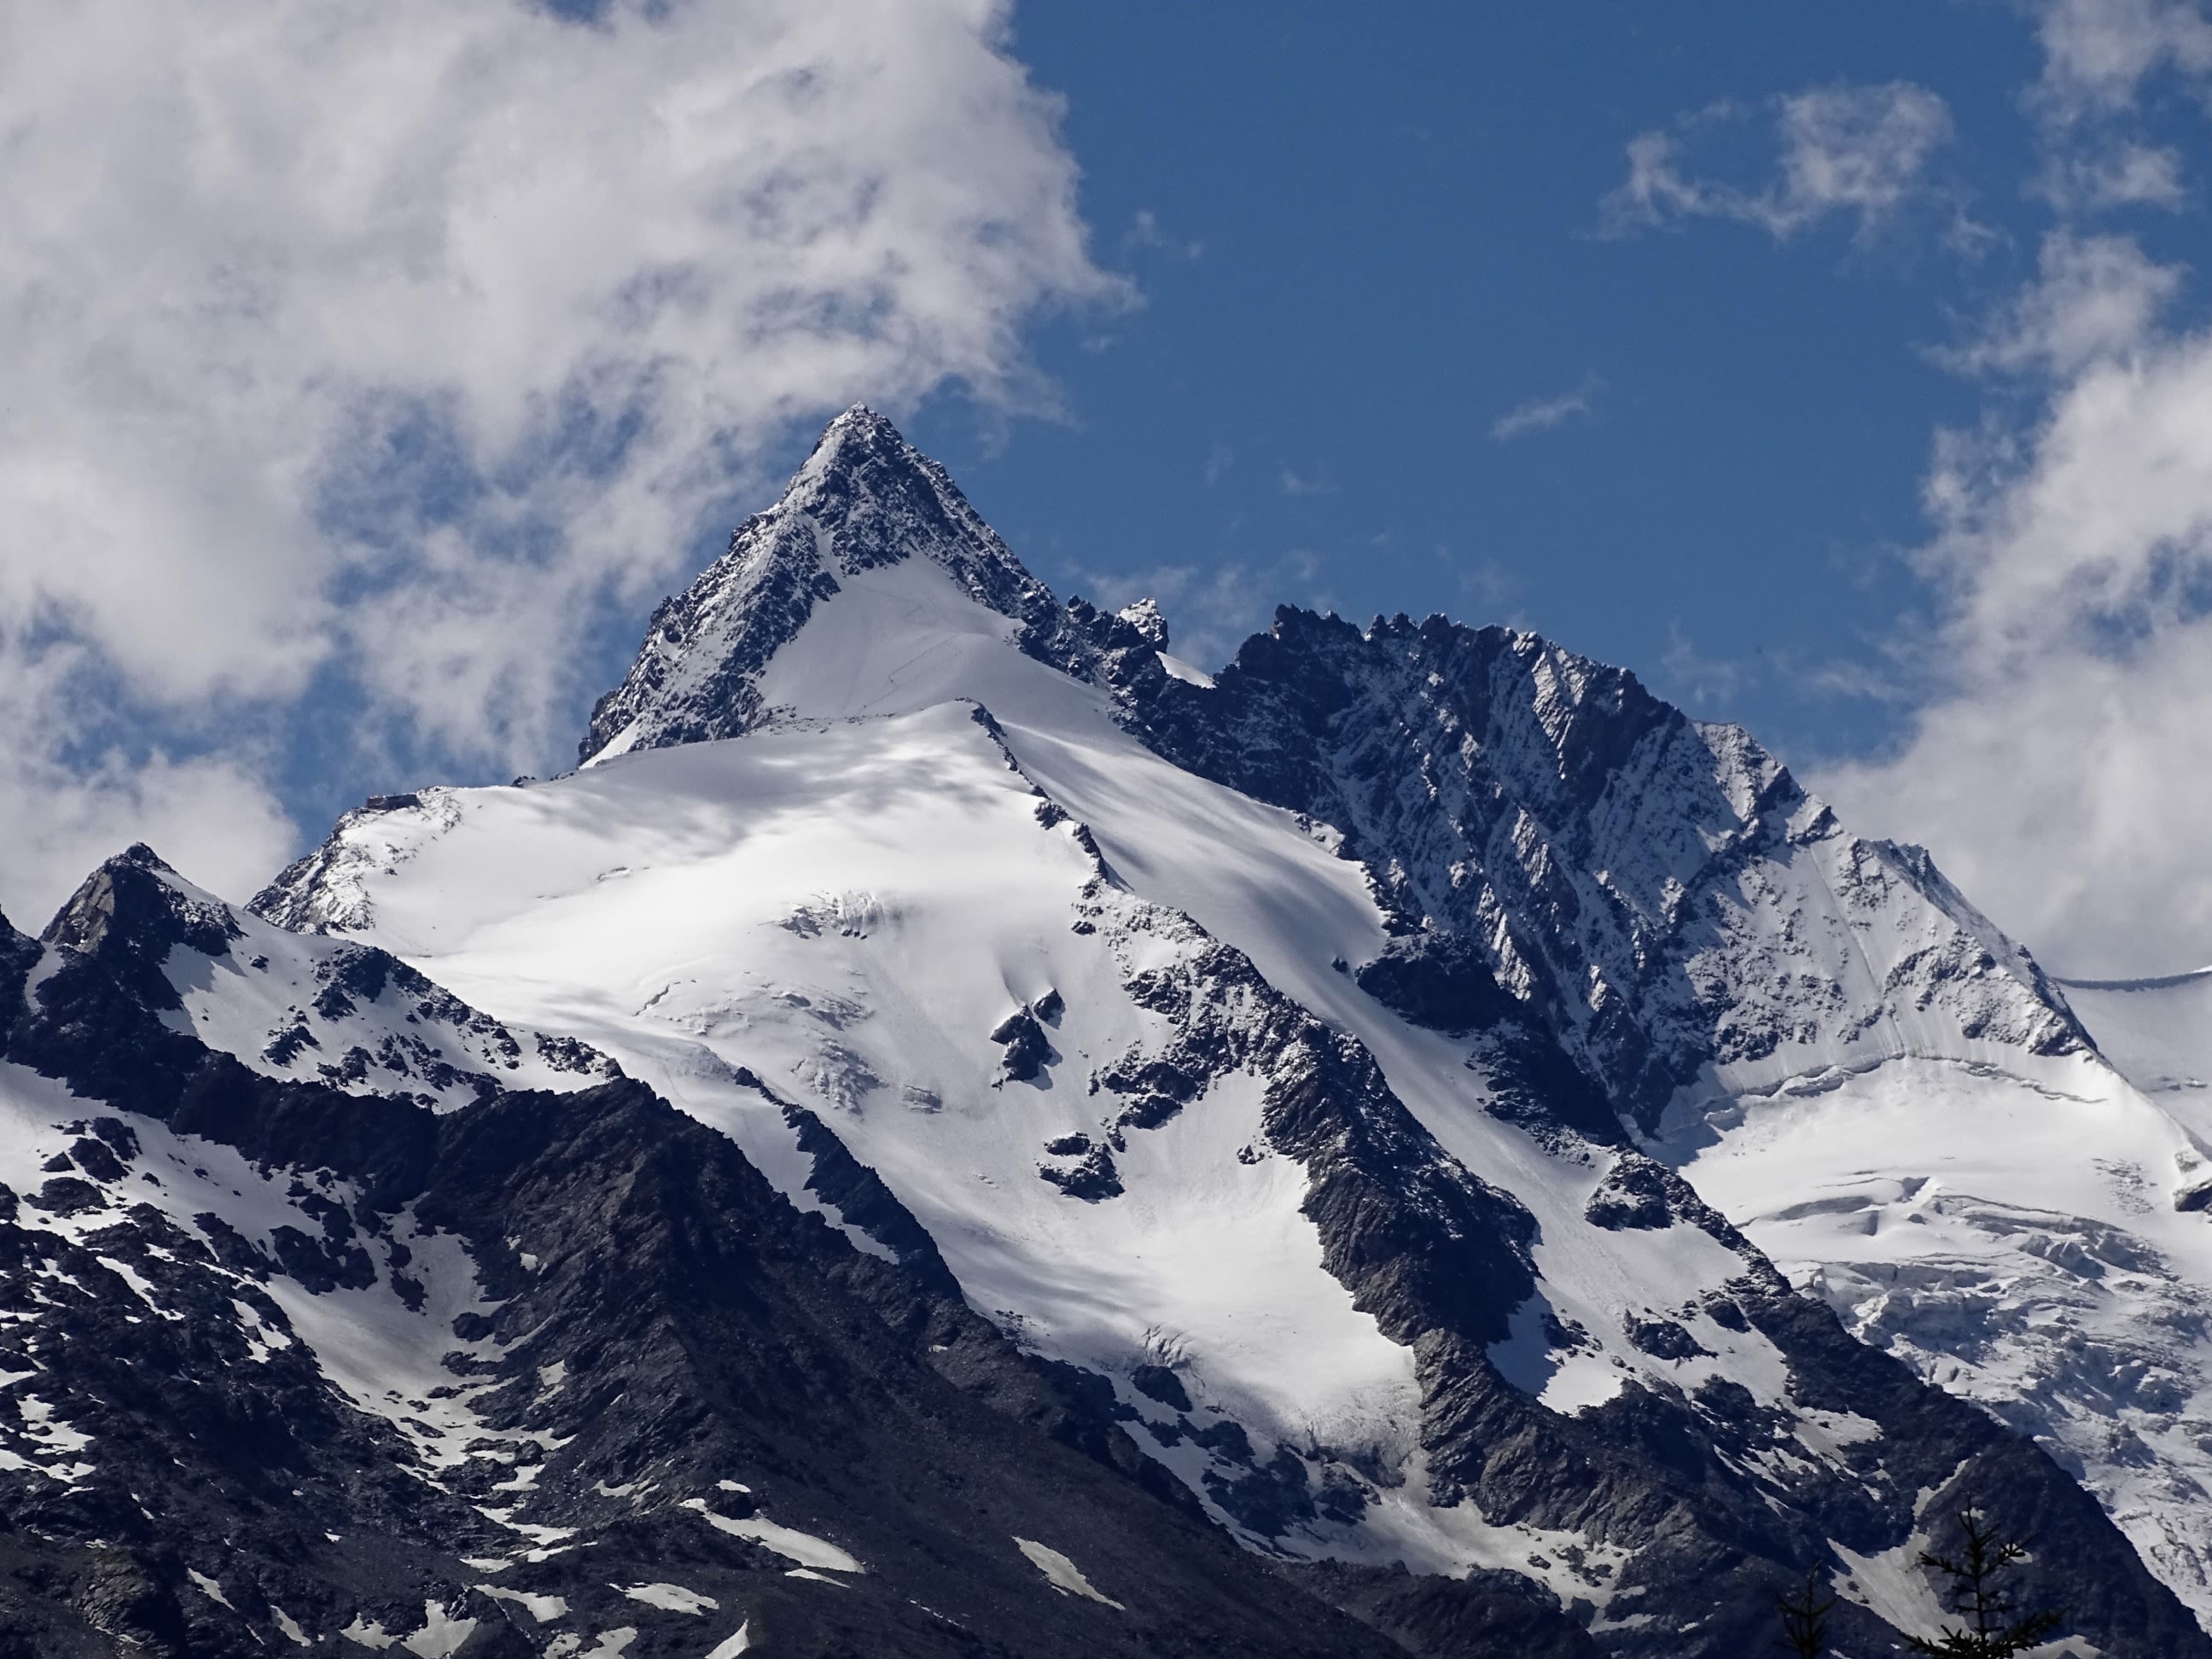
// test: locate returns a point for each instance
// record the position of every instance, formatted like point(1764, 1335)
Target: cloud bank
point(2060, 762)
point(2062, 765)
point(376, 353)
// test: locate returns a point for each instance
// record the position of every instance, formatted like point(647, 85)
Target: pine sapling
point(1981, 1592)
point(1805, 1618)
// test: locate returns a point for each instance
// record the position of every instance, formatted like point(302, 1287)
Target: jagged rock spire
point(865, 499)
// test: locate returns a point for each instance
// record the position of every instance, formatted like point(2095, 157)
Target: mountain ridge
point(1320, 1098)
point(1092, 718)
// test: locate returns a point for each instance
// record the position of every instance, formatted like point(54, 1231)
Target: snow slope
point(2015, 1238)
point(2158, 1032)
point(847, 911)
point(847, 915)
point(458, 1366)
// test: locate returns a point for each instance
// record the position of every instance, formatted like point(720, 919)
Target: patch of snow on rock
point(1061, 1573)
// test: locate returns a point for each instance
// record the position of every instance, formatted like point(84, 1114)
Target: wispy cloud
point(2098, 53)
point(1860, 151)
point(1843, 677)
point(1293, 482)
point(1488, 584)
point(2094, 297)
point(1144, 231)
point(1709, 682)
point(2118, 174)
point(1544, 413)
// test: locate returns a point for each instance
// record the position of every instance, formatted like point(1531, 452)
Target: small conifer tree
point(1805, 1618)
point(1981, 1594)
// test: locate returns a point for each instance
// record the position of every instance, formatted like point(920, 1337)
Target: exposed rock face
point(1714, 954)
point(865, 500)
point(1662, 893)
point(136, 940)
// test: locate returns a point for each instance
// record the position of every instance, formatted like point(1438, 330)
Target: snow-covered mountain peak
point(1144, 615)
point(134, 890)
point(869, 520)
point(290, 1006)
point(1541, 923)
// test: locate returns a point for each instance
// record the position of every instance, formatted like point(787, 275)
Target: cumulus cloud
point(389, 343)
point(2062, 766)
point(2059, 760)
point(2099, 58)
point(1861, 151)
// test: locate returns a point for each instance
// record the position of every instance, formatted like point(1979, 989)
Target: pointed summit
point(136, 903)
point(865, 502)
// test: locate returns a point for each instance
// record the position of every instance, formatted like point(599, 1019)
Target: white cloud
point(2121, 174)
point(2062, 766)
point(2099, 57)
point(1543, 414)
point(2058, 760)
point(1144, 232)
point(2097, 53)
point(2094, 297)
point(396, 340)
point(2068, 801)
point(66, 801)
point(1861, 151)
point(210, 818)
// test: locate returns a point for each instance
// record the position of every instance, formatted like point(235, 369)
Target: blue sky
point(1363, 237)
point(1841, 370)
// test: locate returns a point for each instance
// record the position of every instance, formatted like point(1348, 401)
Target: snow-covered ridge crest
point(864, 501)
point(1680, 912)
point(2159, 1032)
point(291, 1006)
